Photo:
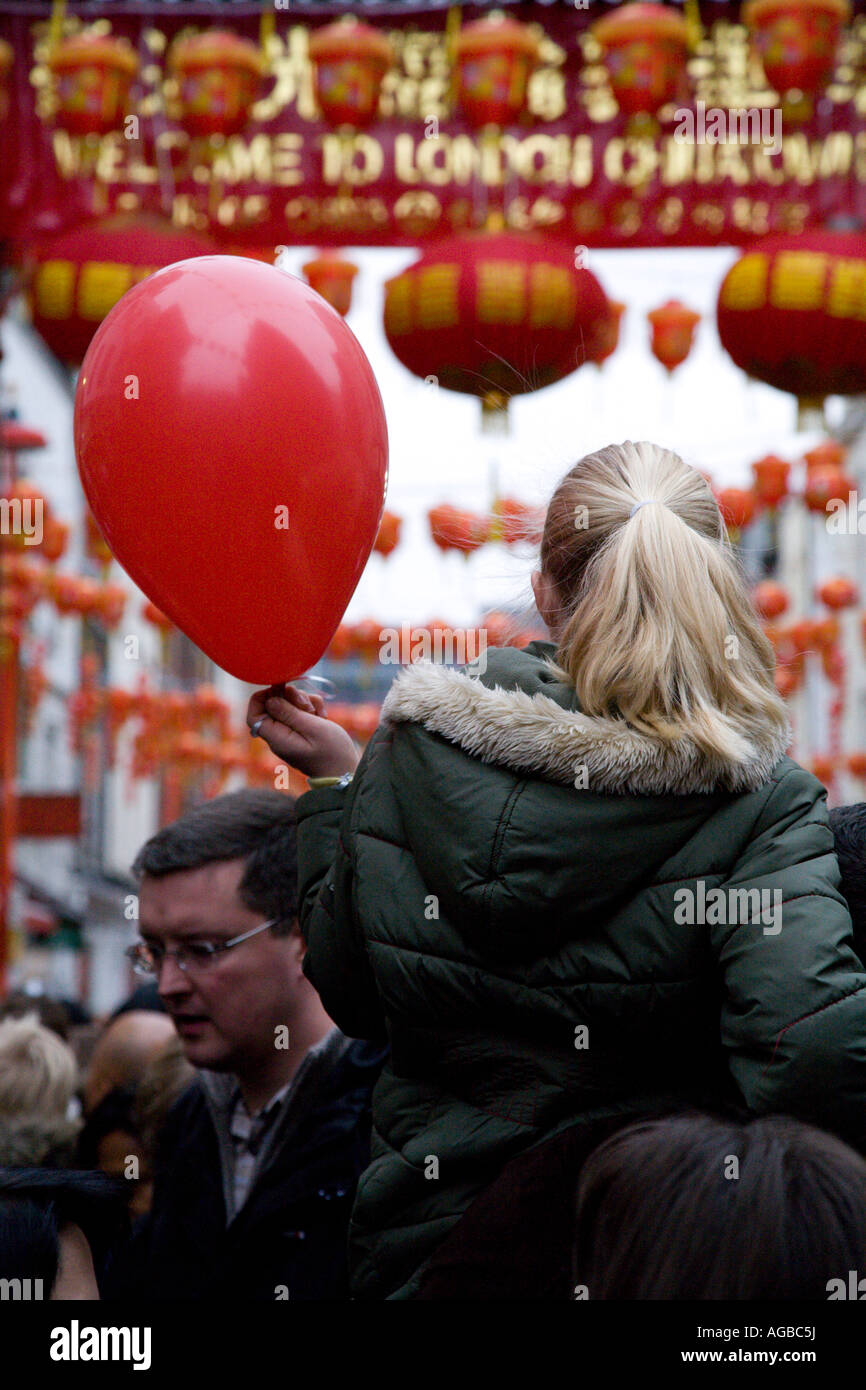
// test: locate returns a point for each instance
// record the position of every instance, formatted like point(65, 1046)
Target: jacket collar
point(534, 736)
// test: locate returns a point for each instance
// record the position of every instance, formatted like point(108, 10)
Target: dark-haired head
point(253, 825)
point(39, 1207)
point(848, 824)
point(694, 1207)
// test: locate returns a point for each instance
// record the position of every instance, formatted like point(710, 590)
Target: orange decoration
point(769, 598)
point(645, 50)
point(453, 529)
point(856, 764)
point(771, 479)
point(738, 506)
point(838, 592)
point(673, 330)
point(219, 78)
point(827, 484)
point(495, 58)
point(331, 276)
point(92, 77)
point(604, 338)
point(824, 769)
point(389, 534)
point(158, 618)
point(797, 41)
point(349, 61)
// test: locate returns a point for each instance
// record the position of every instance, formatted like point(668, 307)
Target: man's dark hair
point(255, 825)
point(36, 1202)
point(695, 1207)
point(848, 824)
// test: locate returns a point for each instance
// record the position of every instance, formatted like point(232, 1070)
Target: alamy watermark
point(450, 646)
point(752, 125)
point(22, 516)
point(729, 907)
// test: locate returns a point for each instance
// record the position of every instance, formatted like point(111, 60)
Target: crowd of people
point(437, 1029)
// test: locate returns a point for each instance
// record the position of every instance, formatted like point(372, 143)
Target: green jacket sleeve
point(793, 1015)
point(336, 961)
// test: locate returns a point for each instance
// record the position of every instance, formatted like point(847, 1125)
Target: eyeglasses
point(195, 956)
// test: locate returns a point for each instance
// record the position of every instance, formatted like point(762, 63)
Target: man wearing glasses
point(260, 1157)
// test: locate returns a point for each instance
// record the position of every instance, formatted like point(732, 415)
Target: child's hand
point(295, 727)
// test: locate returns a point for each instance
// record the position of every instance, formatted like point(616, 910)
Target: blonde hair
point(657, 626)
point(38, 1077)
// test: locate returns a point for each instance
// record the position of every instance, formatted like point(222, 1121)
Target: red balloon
point(232, 444)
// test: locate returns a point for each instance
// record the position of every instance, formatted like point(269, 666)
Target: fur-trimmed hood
point(517, 714)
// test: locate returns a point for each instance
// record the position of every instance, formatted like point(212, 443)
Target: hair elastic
point(647, 503)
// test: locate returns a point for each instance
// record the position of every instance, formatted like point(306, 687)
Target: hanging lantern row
point(163, 714)
point(365, 639)
point(24, 584)
point(511, 522)
point(217, 77)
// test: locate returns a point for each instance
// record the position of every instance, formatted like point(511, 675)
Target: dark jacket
point(289, 1237)
point(520, 939)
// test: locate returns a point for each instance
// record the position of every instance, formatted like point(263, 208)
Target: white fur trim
point(533, 735)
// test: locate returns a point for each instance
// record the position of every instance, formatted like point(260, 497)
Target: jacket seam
point(813, 1013)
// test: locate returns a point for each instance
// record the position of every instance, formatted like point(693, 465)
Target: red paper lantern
point(837, 593)
point(787, 681)
point(645, 49)
point(331, 277)
point(738, 506)
point(856, 764)
point(493, 315)
point(771, 479)
point(77, 277)
point(828, 454)
point(452, 529)
point(823, 633)
point(519, 521)
point(769, 598)
point(825, 485)
point(155, 616)
point(219, 77)
point(55, 538)
point(797, 41)
point(349, 61)
point(790, 313)
point(389, 533)
point(92, 77)
point(17, 438)
point(494, 59)
point(673, 333)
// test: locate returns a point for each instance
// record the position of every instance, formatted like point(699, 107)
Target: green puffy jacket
point(521, 898)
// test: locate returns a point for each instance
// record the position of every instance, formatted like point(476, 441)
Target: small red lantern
point(769, 598)
point(824, 769)
point(495, 58)
point(828, 454)
point(833, 665)
point(789, 314)
point(219, 77)
point(856, 764)
point(110, 605)
point(367, 639)
point(787, 681)
point(155, 616)
point(824, 633)
point(92, 77)
point(771, 479)
point(95, 543)
point(605, 339)
point(645, 50)
point(331, 277)
point(518, 521)
point(453, 529)
point(738, 506)
point(341, 643)
point(824, 485)
point(837, 593)
point(797, 41)
point(389, 533)
point(17, 438)
point(55, 536)
point(349, 61)
point(673, 331)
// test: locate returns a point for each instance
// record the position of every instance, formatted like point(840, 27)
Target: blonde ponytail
point(656, 624)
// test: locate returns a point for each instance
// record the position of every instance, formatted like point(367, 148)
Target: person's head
point(218, 873)
point(695, 1207)
point(38, 1078)
point(123, 1050)
point(650, 613)
point(52, 1013)
point(52, 1224)
point(848, 824)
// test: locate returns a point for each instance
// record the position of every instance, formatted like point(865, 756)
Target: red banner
point(572, 167)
